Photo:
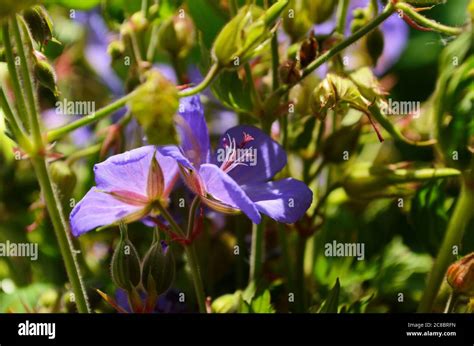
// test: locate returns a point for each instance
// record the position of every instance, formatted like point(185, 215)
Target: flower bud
point(116, 50)
point(158, 268)
point(125, 265)
point(228, 303)
point(460, 275)
point(245, 34)
point(39, 23)
point(64, 178)
point(375, 44)
point(138, 22)
point(289, 72)
point(176, 36)
point(308, 50)
point(320, 10)
point(296, 21)
point(46, 76)
point(154, 106)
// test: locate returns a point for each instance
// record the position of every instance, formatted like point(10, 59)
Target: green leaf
point(262, 303)
point(208, 19)
point(233, 92)
point(331, 303)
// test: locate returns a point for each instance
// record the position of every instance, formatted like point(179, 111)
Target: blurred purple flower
point(236, 178)
point(98, 39)
point(128, 186)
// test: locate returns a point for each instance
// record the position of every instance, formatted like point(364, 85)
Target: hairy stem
point(60, 132)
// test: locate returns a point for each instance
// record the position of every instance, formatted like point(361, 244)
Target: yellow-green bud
point(116, 49)
point(154, 106)
point(460, 275)
point(176, 36)
point(64, 178)
point(245, 34)
point(320, 10)
point(296, 21)
point(228, 303)
point(158, 268)
point(125, 265)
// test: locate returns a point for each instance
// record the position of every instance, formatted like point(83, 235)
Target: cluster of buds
point(154, 274)
point(246, 34)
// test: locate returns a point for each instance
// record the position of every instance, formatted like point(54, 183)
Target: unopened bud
point(125, 265)
point(289, 72)
point(320, 10)
point(40, 24)
point(46, 75)
point(116, 49)
point(158, 268)
point(176, 36)
point(460, 275)
point(308, 50)
point(64, 178)
point(228, 303)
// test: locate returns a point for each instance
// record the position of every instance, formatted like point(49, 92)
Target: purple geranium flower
point(129, 187)
point(236, 178)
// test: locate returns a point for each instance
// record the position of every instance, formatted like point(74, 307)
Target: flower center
point(234, 155)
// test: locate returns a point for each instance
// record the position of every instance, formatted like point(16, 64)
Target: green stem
point(192, 215)
point(275, 62)
point(459, 220)
point(196, 275)
point(341, 16)
point(256, 252)
point(190, 251)
point(14, 75)
point(213, 72)
point(92, 150)
point(145, 5)
point(300, 281)
point(409, 11)
point(25, 67)
point(59, 132)
point(14, 123)
point(283, 238)
point(62, 233)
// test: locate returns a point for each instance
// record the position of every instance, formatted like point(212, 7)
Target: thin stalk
point(14, 75)
point(341, 16)
point(287, 267)
point(28, 85)
point(409, 11)
point(459, 220)
point(14, 122)
point(59, 132)
point(275, 62)
point(92, 150)
point(61, 230)
point(300, 281)
point(213, 72)
point(257, 251)
point(145, 5)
